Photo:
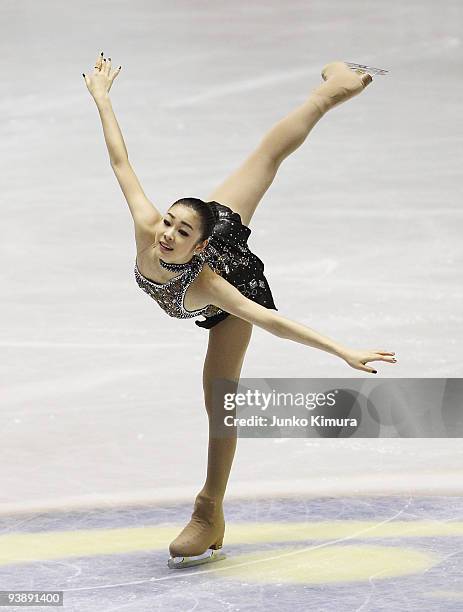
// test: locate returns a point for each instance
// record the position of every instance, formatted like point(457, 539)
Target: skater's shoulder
point(198, 290)
point(203, 278)
point(207, 276)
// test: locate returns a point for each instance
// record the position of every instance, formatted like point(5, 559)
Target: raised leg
point(243, 189)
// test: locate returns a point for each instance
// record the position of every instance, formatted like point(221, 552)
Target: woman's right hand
point(99, 83)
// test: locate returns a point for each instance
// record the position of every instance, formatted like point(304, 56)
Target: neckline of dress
point(155, 282)
point(176, 266)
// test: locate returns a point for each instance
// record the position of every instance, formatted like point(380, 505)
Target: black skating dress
point(228, 254)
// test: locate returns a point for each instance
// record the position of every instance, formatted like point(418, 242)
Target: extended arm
point(112, 133)
point(223, 294)
point(143, 212)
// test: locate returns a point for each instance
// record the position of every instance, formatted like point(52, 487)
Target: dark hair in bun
point(207, 212)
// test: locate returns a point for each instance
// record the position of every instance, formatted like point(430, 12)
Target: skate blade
point(208, 557)
point(369, 69)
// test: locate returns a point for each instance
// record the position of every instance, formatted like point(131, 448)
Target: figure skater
point(195, 261)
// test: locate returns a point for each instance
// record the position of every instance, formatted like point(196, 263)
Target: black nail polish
point(375, 372)
point(102, 54)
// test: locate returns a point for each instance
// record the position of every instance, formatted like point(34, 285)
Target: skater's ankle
point(210, 496)
point(322, 103)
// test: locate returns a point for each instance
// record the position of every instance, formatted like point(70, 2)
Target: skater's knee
point(218, 393)
point(220, 384)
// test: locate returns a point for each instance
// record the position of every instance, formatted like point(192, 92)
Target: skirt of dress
point(228, 254)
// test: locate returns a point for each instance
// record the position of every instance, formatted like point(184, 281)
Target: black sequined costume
point(228, 254)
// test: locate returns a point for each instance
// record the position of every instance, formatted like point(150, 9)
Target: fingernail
point(375, 372)
point(102, 54)
point(83, 75)
point(104, 59)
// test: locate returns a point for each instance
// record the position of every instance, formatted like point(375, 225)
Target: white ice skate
point(369, 69)
point(208, 557)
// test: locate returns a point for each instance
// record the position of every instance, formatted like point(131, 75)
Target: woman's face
point(180, 230)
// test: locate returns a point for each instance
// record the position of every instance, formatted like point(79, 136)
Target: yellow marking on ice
point(40, 546)
point(445, 594)
point(333, 564)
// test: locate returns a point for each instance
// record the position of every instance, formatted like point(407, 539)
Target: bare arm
point(143, 211)
point(111, 130)
point(223, 294)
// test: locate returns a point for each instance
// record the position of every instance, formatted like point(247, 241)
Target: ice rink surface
point(360, 233)
point(327, 554)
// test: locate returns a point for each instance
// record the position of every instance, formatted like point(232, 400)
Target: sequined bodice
point(171, 295)
point(228, 254)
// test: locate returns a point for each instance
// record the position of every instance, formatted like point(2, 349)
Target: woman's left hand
point(358, 359)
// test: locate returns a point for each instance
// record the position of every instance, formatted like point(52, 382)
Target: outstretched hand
point(358, 359)
point(100, 81)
